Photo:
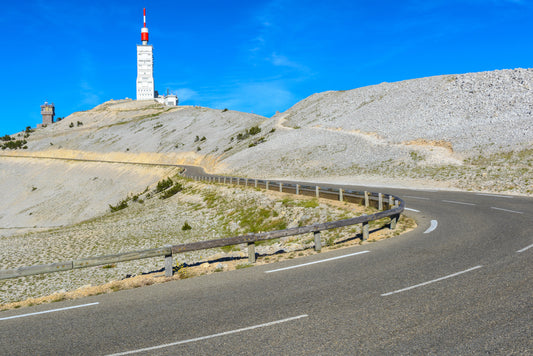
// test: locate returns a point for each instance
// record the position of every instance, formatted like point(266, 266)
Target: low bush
point(163, 185)
point(122, 205)
point(172, 191)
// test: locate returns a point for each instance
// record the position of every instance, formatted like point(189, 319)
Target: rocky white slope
point(470, 131)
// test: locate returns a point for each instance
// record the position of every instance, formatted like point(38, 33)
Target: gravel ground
point(211, 210)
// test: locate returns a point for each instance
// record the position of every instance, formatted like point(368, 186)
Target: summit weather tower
point(145, 66)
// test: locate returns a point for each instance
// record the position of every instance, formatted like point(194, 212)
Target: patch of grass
point(230, 248)
point(186, 227)
point(244, 265)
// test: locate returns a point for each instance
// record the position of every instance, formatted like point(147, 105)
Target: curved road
point(461, 283)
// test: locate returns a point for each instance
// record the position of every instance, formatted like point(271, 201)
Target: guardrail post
point(251, 252)
point(266, 185)
point(218, 179)
point(391, 201)
point(280, 187)
point(168, 263)
point(255, 183)
point(393, 221)
point(367, 202)
point(366, 231)
point(297, 189)
point(380, 201)
point(318, 242)
point(238, 180)
point(340, 194)
point(246, 182)
point(317, 189)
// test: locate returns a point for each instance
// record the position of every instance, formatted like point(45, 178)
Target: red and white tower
point(145, 66)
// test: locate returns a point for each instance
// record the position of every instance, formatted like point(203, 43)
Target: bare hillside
point(471, 131)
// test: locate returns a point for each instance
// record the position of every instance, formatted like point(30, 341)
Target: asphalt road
point(461, 283)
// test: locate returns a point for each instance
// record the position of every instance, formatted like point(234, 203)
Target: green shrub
point(163, 185)
point(172, 191)
point(186, 226)
point(122, 205)
point(254, 130)
point(13, 145)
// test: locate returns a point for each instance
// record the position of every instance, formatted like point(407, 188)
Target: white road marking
point(48, 311)
point(410, 196)
point(210, 336)
point(416, 211)
point(525, 248)
point(432, 281)
point(495, 195)
point(433, 226)
point(458, 202)
point(506, 210)
point(312, 263)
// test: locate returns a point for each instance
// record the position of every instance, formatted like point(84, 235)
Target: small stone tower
point(48, 112)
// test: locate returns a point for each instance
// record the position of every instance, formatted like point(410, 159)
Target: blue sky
point(258, 56)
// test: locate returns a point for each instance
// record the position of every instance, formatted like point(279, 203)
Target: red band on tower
point(144, 30)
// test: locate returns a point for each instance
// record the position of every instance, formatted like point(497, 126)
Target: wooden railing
point(393, 204)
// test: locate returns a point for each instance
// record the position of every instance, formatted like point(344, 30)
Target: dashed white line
point(458, 202)
point(412, 197)
point(416, 211)
point(48, 311)
point(210, 336)
point(495, 195)
point(312, 263)
point(433, 226)
point(432, 281)
point(525, 248)
point(507, 210)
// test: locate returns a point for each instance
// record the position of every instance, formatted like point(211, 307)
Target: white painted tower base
point(145, 72)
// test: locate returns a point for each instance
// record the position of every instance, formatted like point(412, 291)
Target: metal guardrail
point(395, 207)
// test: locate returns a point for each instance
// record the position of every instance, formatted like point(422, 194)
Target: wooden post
point(266, 185)
point(168, 263)
point(255, 183)
point(380, 202)
point(317, 189)
point(367, 202)
point(340, 194)
point(251, 252)
point(393, 221)
point(366, 231)
point(297, 189)
point(280, 187)
point(318, 242)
